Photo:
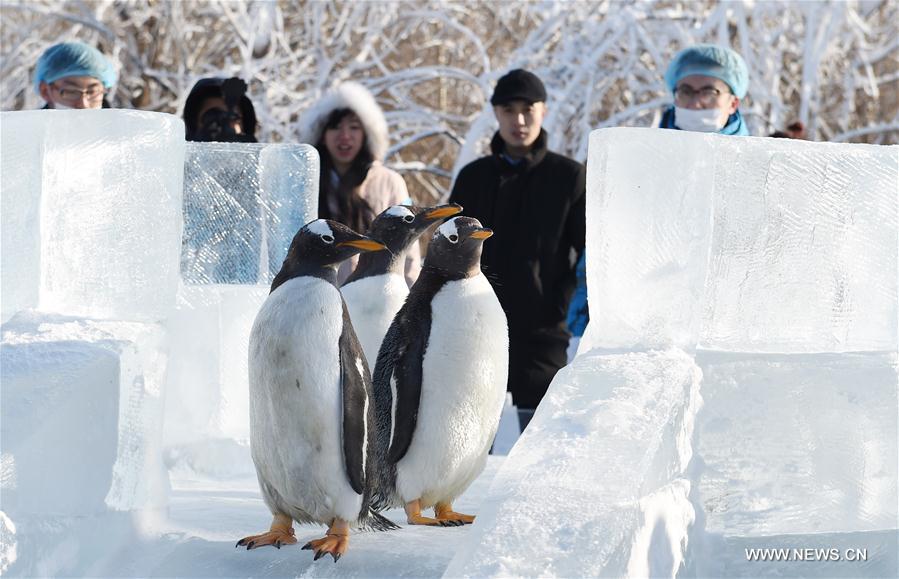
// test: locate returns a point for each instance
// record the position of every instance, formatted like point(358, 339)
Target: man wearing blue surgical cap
point(707, 82)
point(74, 75)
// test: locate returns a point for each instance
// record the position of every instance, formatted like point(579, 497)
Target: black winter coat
point(537, 212)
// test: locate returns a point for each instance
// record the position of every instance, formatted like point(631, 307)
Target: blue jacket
point(578, 312)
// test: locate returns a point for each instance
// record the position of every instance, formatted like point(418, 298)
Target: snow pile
point(769, 269)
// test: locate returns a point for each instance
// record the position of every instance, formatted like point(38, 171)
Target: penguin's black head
point(319, 247)
point(455, 249)
point(399, 226)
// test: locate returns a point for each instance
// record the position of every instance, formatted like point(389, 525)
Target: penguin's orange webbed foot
point(446, 513)
point(334, 543)
point(276, 537)
point(414, 517)
point(331, 544)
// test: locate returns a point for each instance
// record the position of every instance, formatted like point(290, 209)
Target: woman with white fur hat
point(348, 128)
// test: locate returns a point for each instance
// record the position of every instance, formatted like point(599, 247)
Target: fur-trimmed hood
point(350, 95)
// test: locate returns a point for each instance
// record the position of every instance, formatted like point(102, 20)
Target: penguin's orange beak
point(444, 211)
point(364, 244)
point(481, 234)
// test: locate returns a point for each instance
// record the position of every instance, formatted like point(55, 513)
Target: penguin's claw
point(331, 544)
point(276, 538)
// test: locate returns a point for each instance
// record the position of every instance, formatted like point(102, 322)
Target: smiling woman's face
point(344, 141)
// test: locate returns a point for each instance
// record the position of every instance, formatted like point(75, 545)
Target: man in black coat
point(533, 199)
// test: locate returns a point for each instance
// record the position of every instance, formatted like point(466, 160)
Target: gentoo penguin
point(312, 422)
point(440, 379)
point(376, 289)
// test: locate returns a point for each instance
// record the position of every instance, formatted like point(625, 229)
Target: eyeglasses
point(706, 96)
point(74, 95)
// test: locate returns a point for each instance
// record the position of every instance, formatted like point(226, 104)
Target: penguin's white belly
point(372, 303)
point(464, 374)
point(296, 407)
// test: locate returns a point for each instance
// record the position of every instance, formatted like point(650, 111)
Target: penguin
point(440, 379)
point(312, 421)
point(377, 288)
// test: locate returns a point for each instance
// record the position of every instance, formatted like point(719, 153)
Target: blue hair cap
point(710, 60)
point(73, 59)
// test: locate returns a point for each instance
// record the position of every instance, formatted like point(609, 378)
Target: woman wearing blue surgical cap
point(74, 75)
point(707, 82)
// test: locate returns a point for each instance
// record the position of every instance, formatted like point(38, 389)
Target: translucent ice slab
point(243, 203)
point(82, 416)
point(741, 244)
point(92, 212)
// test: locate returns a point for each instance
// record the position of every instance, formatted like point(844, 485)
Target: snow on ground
point(208, 516)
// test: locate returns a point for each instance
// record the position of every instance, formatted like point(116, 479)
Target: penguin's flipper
point(354, 375)
point(280, 533)
point(398, 371)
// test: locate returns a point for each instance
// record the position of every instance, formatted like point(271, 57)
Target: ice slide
point(736, 390)
point(732, 410)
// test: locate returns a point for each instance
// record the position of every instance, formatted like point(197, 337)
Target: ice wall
point(748, 245)
point(108, 179)
point(91, 233)
point(769, 268)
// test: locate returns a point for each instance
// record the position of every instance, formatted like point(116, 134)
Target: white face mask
point(701, 121)
point(62, 107)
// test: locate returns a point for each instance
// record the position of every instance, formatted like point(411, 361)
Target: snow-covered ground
point(206, 517)
point(736, 388)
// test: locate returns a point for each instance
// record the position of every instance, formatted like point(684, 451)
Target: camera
point(217, 124)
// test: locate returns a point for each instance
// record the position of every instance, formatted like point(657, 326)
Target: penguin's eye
point(408, 218)
point(327, 238)
point(453, 238)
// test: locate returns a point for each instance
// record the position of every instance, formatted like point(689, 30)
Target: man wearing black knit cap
point(533, 199)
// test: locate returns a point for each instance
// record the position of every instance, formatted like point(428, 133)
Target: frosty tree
point(832, 65)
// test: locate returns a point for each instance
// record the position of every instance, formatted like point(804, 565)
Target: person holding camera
point(349, 130)
point(218, 109)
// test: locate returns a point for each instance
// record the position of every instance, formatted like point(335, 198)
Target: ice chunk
point(81, 416)
point(243, 203)
point(741, 244)
point(60, 409)
point(649, 210)
point(798, 444)
point(804, 252)
point(798, 453)
point(21, 141)
point(110, 212)
point(207, 424)
point(598, 463)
